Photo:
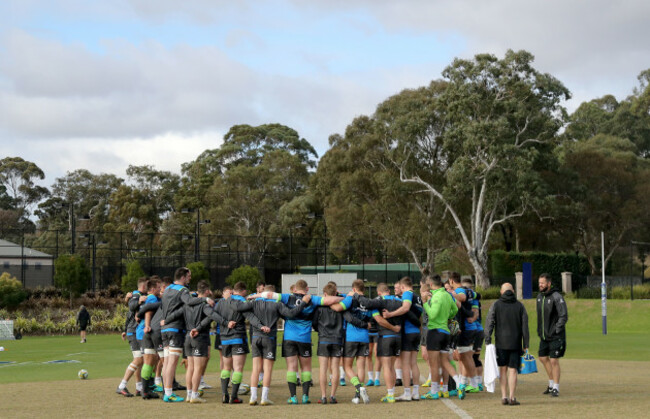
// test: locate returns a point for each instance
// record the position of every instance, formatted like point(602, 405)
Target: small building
point(31, 267)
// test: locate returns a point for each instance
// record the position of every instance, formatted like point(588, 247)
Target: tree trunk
point(479, 262)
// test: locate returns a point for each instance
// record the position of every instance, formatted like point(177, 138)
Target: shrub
point(491, 293)
point(246, 274)
point(504, 264)
point(133, 273)
point(71, 273)
point(11, 291)
point(199, 272)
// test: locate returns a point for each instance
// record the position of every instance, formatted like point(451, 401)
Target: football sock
point(435, 387)
point(416, 389)
point(158, 381)
point(556, 386)
point(147, 371)
point(445, 388)
point(398, 374)
point(138, 386)
point(407, 391)
point(253, 392)
point(341, 372)
point(550, 383)
point(265, 393)
point(225, 378)
point(236, 381)
point(122, 385)
point(292, 380)
point(391, 391)
point(168, 392)
point(305, 377)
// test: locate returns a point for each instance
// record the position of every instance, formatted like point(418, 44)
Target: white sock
point(190, 395)
point(416, 390)
point(479, 379)
point(473, 382)
point(435, 388)
point(398, 374)
point(429, 377)
point(168, 392)
point(138, 386)
point(158, 381)
point(550, 383)
point(556, 386)
point(253, 392)
point(391, 391)
point(265, 393)
point(122, 385)
point(445, 388)
point(341, 372)
point(457, 379)
point(407, 391)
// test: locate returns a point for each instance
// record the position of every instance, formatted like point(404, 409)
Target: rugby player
point(133, 302)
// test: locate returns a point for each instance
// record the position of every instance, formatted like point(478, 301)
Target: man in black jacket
point(509, 320)
point(552, 317)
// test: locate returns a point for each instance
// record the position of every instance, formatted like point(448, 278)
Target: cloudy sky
point(103, 84)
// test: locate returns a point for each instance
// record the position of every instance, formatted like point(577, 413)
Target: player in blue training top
point(357, 343)
point(296, 345)
point(479, 336)
point(133, 301)
point(148, 346)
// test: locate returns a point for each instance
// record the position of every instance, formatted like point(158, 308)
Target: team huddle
point(166, 323)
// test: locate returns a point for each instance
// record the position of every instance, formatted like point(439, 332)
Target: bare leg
point(555, 369)
point(512, 382)
point(547, 366)
point(334, 362)
point(503, 382)
point(189, 375)
point(323, 364)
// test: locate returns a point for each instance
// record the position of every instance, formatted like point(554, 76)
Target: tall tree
point(18, 177)
point(499, 117)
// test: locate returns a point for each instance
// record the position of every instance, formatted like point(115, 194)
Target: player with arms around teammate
point(148, 345)
point(133, 302)
point(173, 326)
point(357, 342)
point(552, 316)
point(267, 312)
point(410, 339)
point(440, 308)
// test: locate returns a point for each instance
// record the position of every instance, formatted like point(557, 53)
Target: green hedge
point(504, 264)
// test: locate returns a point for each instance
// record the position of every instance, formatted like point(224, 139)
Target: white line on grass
point(457, 410)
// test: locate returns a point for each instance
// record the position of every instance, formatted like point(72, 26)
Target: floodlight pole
point(603, 285)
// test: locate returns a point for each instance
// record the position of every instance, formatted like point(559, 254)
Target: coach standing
point(552, 317)
point(509, 320)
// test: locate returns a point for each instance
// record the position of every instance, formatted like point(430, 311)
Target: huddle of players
point(342, 323)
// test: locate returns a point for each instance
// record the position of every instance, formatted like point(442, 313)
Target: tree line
point(485, 157)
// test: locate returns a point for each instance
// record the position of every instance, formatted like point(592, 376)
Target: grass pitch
point(602, 376)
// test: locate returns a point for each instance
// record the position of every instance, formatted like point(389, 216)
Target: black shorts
point(230, 349)
point(437, 340)
point(389, 346)
point(330, 350)
point(198, 346)
point(141, 345)
point(411, 342)
point(173, 339)
point(147, 341)
point(133, 343)
point(293, 348)
point(263, 347)
point(479, 337)
point(553, 348)
point(509, 358)
point(466, 338)
point(156, 336)
point(217, 342)
point(82, 327)
point(355, 349)
point(373, 338)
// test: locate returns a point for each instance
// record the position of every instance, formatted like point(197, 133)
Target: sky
point(101, 85)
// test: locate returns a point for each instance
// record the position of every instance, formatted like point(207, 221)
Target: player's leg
point(405, 361)
point(415, 373)
point(131, 369)
point(555, 371)
point(189, 374)
point(292, 374)
point(225, 372)
point(335, 361)
point(173, 355)
point(267, 370)
point(323, 365)
point(255, 372)
point(238, 362)
point(305, 375)
point(200, 363)
point(503, 383)
point(398, 372)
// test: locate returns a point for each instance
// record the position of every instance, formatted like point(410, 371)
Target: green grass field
point(595, 367)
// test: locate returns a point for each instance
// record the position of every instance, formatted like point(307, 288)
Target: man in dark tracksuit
point(552, 317)
point(509, 320)
point(267, 312)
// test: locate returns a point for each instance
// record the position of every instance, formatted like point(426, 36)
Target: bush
point(199, 272)
point(11, 291)
point(246, 274)
point(133, 273)
point(71, 274)
point(492, 293)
